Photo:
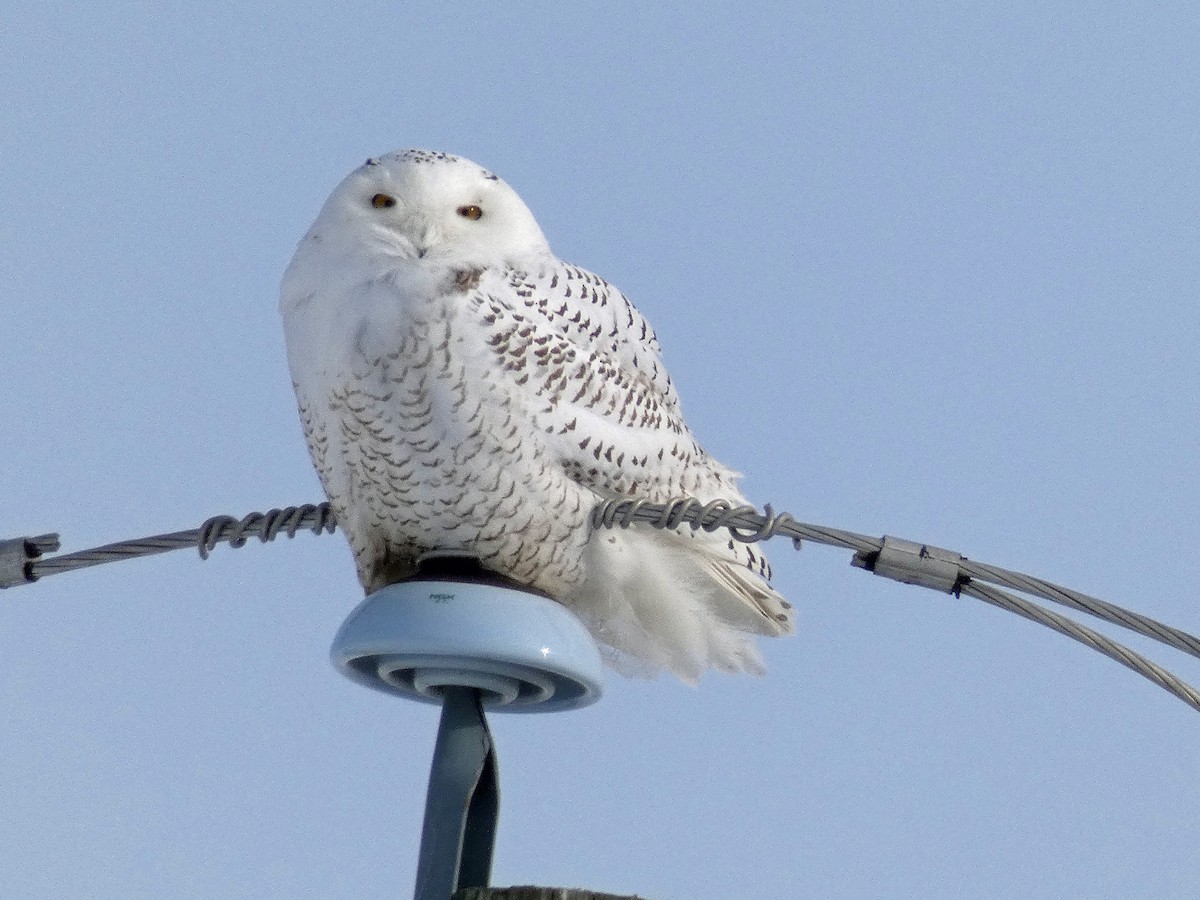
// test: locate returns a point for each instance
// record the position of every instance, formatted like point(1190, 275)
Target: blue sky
point(924, 270)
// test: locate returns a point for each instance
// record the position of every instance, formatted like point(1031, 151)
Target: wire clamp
point(17, 555)
point(913, 563)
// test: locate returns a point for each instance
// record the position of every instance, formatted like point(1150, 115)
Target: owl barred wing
point(604, 319)
point(589, 367)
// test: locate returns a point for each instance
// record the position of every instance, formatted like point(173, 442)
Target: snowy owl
point(464, 390)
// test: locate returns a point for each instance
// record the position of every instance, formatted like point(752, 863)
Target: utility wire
point(23, 561)
point(28, 565)
point(1088, 638)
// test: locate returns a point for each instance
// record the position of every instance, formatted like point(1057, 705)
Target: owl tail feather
point(664, 602)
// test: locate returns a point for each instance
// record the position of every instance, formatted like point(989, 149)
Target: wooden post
point(535, 893)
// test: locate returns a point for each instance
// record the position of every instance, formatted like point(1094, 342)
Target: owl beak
point(422, 235)
point(427, 240)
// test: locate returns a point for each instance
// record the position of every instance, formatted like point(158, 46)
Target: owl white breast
point(462, 389)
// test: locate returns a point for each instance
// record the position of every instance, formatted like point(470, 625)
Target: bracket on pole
point(463, 802)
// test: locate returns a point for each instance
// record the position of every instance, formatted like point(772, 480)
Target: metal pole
point(463, 801)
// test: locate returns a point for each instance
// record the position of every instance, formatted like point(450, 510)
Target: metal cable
point(22, 562)
point(264, 526)
point(1087, 637)
point(1101, 609)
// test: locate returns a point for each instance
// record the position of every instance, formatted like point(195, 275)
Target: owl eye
point(474, 213)
point(380, 201)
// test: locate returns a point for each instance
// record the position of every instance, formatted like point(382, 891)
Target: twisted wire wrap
point(265, 526)
point(744, 523)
